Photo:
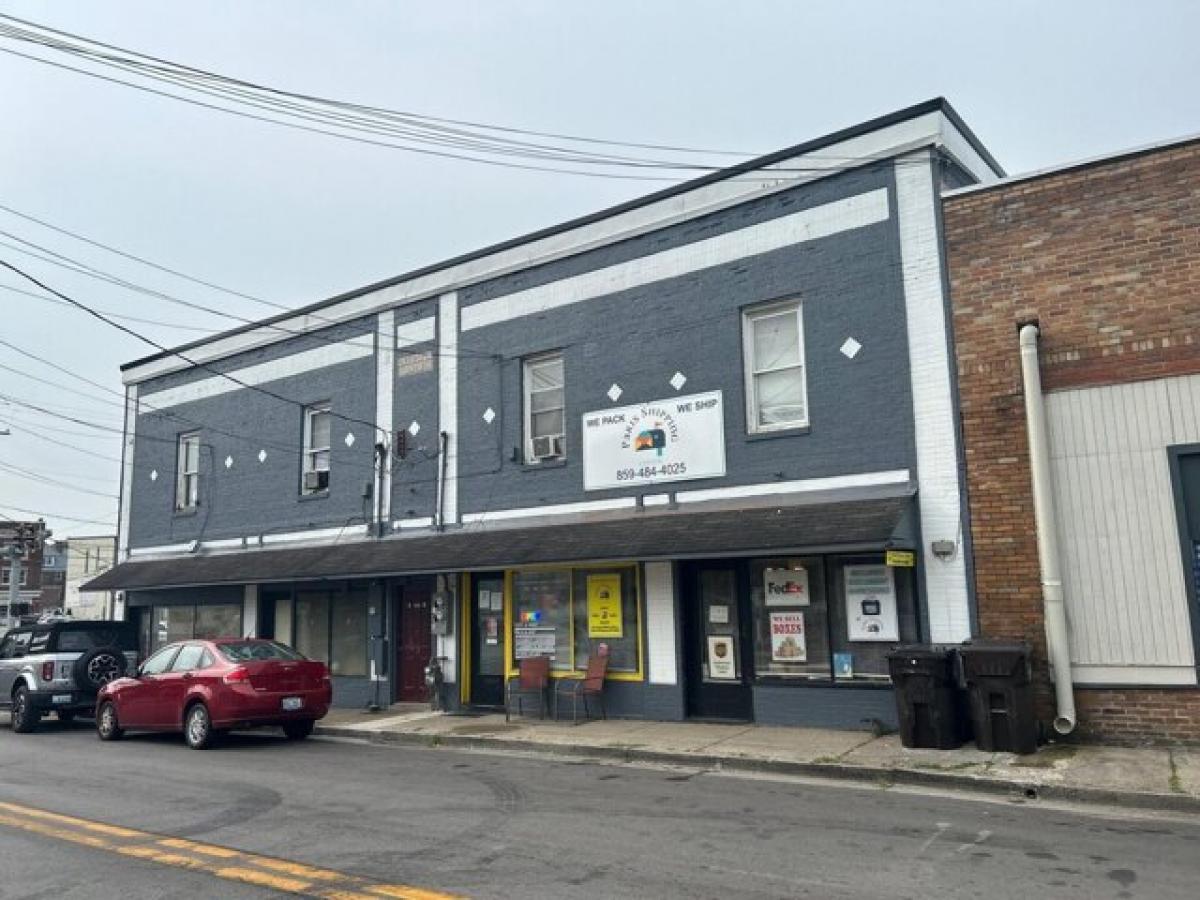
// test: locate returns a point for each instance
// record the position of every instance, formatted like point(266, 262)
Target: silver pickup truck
point(60, 666)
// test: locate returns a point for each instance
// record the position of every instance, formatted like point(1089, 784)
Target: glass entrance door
point(718, 664)
point(487, 640)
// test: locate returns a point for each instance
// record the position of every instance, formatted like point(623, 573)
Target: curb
point(884, 777)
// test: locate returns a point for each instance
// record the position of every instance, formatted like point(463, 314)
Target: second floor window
point(316, 449)
point(545, 408)
point(776, 393)
point(187, 480)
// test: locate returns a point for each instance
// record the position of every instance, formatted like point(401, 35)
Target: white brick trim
point(662, 666)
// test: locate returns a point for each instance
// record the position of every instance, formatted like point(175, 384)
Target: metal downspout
point(1055, 613)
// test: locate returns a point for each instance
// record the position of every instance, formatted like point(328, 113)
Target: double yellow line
point(210, 859)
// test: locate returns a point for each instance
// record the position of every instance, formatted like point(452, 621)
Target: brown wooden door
point(413, 642)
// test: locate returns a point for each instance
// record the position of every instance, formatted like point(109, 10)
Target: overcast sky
point(292, 217)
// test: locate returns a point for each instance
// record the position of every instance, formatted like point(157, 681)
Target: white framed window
point(6, 577)
point(773, 347)
point(545, 408)
point(317, 430)
point(187, 478)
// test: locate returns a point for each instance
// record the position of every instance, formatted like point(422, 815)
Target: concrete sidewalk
point(1147, 777)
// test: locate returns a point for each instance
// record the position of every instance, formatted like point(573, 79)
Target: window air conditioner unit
point(548, 447)
point(316, 481)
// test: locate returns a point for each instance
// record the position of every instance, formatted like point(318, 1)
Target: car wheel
point(66, 716)
point(107, 726)
point(24, 719)
point(298, 730)
point(94, 670)
point(197, 727)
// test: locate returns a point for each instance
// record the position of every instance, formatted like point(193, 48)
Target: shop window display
point(791, 618)
point(875, 609)
point(569, 613)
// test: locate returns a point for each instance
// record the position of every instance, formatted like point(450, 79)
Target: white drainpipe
point(1055, 612)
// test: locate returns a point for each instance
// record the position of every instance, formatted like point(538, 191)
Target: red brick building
point(1104, 256)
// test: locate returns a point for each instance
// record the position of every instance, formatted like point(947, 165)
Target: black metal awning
point(671, 534)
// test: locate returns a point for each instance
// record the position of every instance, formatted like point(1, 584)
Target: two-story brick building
point(687, 428)
point(1102, 259)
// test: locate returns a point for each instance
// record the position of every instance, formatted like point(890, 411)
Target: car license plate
point(60, 698)
point(293, 702)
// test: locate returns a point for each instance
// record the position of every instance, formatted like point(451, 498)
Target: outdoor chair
point(590, 685)
point(533, 678)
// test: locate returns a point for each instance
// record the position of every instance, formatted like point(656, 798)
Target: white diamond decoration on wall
point(349, 439)
point(678, 380)
point(154, 474)
point(414, 429)
point(850, 348)
point(229, 462)
point(262, 456)
point(489, 415)
point(614, 392)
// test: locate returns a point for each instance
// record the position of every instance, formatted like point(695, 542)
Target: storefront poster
point(788, 643)
point(676, 439)
point(722, 665)
point(604, 606)
point(871, 604)
point(786, 587)
point(491, 630)
point(533, 640)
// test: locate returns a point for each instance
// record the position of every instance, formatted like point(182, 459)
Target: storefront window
point(184, 622)
point(791, 618)
point(874, 609)
point(542, 616)
point(569, 613)
point(224, 620)
point(605, 613)
point(172, 623)
point(348, 656)
point(328, 625)
point(312, 624)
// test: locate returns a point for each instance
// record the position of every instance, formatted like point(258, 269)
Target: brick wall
point(1107, 258)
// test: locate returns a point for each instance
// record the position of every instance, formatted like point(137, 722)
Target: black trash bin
point(927, 698)
point(999, 683)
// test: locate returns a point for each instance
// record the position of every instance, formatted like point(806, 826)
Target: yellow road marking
point(265, 879)
point(222, 862)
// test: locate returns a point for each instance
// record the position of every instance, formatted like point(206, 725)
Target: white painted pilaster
point(660, 623)
point(934, 415)
point(385, 385)
point(448, 400)
point(250, 610)
point(131, 403)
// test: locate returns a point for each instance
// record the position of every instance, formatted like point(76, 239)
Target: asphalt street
point(483, 825)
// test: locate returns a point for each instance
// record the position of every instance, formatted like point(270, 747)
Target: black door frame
point(733, 701)
point(473, 620)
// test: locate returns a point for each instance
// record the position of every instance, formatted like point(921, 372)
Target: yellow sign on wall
point(604, 606)
point(901, 558)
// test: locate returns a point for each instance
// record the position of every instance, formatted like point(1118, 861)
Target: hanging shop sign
point(900, 558)
point(533, 640)
point(788, 643)
point(722, 665)
point(786, 587)
point(871, 604)
point(604, 606)
point(664, 440)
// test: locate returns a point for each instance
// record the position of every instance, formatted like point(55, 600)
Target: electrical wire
point(48, 515)
point(46, 479)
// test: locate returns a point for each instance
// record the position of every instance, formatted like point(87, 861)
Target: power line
point(46, 479)
point(115, 315)
point(140, 259)
point(48, 515)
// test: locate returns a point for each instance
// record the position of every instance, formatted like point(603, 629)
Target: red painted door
point(413, 643)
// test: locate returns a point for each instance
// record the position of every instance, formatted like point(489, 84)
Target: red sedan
point(205, 687)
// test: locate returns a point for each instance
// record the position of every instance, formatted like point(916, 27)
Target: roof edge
point(936, 104)
point(1073, 165)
